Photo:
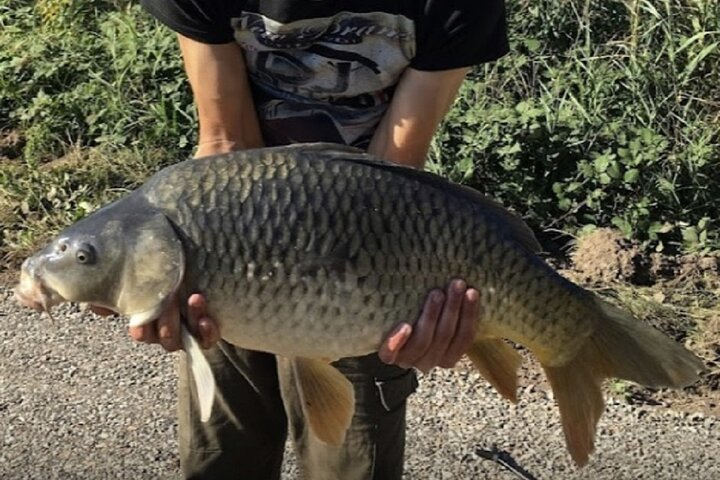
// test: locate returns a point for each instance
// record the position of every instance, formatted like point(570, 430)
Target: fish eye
point(85, 254)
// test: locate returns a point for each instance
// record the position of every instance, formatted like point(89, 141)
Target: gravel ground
point(79, 399)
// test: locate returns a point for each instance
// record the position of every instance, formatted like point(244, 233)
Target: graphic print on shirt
point(327, 78)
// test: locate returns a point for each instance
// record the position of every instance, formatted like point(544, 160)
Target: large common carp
point(315, 252)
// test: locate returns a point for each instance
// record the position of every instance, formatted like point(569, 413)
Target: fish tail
point(620, 347)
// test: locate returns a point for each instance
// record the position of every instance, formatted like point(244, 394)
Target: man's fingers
point(196, 310)
point(146, 333)
point(168, 327)
point(202, 326)
point(446, 326)
point(394, 342)
point(209, 333)
point(102, 311)
point(465, 332)
point(419, 342)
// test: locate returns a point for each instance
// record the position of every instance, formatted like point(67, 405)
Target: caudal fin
point(621, 347)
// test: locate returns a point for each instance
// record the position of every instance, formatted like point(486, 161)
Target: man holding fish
point(377, 75)
point(318, 252)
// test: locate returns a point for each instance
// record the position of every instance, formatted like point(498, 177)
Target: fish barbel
point(315, 252)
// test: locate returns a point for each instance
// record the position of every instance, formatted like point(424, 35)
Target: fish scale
point(316, 252)
point(415, 239)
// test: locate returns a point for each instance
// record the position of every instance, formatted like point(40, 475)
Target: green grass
point(607, 113)
point(93, 100)
point(88, 74)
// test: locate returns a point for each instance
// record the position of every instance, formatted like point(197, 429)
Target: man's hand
point(166, 329)
point(442, 334)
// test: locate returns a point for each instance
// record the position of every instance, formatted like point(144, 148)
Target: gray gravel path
point(79, 399)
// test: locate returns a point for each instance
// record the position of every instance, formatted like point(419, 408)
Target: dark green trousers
point(245, 436)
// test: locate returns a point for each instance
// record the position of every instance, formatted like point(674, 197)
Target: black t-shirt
point(325, 70)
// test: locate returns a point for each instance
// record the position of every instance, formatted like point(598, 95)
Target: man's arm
point(219, 81)
point(446, 327)
point(421, 101)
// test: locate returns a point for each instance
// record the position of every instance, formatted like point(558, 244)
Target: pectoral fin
point(327, 398)
point(152, 271)
point(203, 376)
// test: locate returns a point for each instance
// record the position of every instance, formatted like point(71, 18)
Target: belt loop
point(393, 392)
point(379, 384)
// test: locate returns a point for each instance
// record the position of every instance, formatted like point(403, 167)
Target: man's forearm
point(421, 101)
point(221, 89)
point(216, 147)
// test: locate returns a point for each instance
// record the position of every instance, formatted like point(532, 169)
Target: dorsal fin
point(517, 228)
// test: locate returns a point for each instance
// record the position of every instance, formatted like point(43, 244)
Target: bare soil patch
point(606, 257)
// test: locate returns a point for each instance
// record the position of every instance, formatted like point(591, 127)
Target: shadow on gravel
point(504, 459)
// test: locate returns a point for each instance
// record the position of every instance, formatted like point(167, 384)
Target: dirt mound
point(604, 256)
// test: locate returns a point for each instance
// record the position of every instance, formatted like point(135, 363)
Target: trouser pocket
point(245, 435)
point(375, 442)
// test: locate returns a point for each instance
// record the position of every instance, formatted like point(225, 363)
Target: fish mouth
point(32, 293)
